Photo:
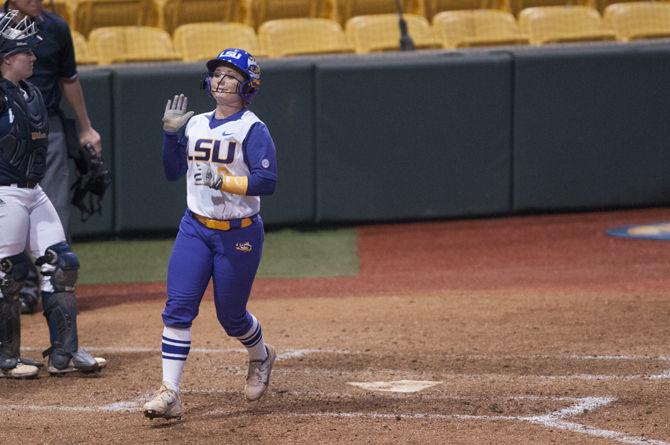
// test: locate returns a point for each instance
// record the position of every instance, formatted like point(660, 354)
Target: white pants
point(28, 221)
point(56, 181)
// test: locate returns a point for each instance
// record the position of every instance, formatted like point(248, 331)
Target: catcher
point(28, 219)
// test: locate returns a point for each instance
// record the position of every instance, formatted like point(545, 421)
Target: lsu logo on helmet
point(233, 53)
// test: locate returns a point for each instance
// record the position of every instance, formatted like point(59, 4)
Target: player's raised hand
point(175, 115)
point(204, 175)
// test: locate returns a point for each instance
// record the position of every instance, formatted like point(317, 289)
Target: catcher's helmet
point(245, 64)
point(16, 35)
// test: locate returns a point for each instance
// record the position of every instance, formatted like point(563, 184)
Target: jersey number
point(210, 150)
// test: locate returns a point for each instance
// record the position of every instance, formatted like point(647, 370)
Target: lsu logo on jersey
point(243, 247)
point(210, 150)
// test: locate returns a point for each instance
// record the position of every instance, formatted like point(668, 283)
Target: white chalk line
point(130, 406)
point(390, 395)
point(127, 406)
point(299, 353)
point(663, 375)
point(285, 355)
point(554, 419)
point(601, 377)
point(615, 357)
point(404, 373)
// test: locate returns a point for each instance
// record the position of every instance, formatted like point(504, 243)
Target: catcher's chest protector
point(25, 147)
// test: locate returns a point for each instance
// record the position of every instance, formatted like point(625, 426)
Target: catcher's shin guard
point(61, 264)
point(60, 310)
point(10, 332)
point(60, 306)
point(14, 270)
point(65, 355)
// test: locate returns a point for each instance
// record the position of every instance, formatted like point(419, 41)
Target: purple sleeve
point(260, 156)
point(174, 156)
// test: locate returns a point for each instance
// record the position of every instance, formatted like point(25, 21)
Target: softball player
point(28, 220)
point(229, 160)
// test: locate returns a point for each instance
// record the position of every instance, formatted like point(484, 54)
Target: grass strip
point(287, 254)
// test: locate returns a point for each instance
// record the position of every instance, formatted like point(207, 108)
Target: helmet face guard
point(245, 64)
point(16, 35)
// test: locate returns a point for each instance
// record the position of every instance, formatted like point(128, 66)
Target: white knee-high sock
point(253, 341)
point(175, 347)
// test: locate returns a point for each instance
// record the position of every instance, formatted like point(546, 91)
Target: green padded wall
point(412, 137)
point(591, 127)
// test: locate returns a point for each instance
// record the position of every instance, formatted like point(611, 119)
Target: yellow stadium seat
point(519, 5)
point(194, 41)
point(83, 53)
point(380, 32)
point(601, 5)
point(255, 12)
point(292, 37)
point(558, 24)
point(485, 27)
point(120, 44)
point(92, 14)
point(640, 20)
point(433, 7)
point(347, 9)
point(173, 13)
point(64, 8)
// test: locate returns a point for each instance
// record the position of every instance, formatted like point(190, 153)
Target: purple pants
point(230, 257)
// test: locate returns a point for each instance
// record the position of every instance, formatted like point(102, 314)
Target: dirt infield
point(530, 330)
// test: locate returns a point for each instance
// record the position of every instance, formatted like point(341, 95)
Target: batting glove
point(175, 115)
point(204, 175)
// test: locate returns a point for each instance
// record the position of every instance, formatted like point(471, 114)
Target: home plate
point(396, 385)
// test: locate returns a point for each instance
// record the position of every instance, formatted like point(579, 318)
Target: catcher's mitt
point(93, 179)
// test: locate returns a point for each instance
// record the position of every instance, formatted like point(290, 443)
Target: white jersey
point(221, 147)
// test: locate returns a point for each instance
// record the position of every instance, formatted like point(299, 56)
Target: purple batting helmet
point(245, 64)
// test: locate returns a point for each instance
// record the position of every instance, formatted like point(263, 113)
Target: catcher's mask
point(16, 35)
point(93, 180)
point(242, 62)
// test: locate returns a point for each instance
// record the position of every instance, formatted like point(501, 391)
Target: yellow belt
point(219, 224)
